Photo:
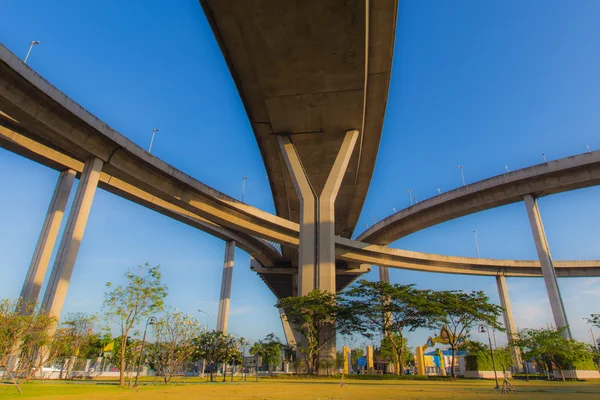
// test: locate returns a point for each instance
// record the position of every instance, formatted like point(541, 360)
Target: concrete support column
point(543, 250)
point(307, 255)
point(287, 329)
point(55, 294)
point(43, 250)
point(384, 274)
point(509, 323)
point(316, 261)
point(223, 315)
point(326, 218)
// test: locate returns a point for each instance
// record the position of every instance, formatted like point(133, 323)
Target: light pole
point(544, 157)
point(207, 317)
point(152, 140)
point(462, 174)
point(33, 43)
point(506, 167)
point(482, 329)
point(394, 208)
point(476, 243)
point(439, 191)
point(588, 147)
point(243, 187)
point(410, 196)
point(150, 321)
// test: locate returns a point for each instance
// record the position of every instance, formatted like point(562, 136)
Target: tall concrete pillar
point(509, 323)
point(55, 294)
point(287, 329)
point(316, 261)
point(223, 315)
point(43, 250)
point(543, 250)
point(384, 274)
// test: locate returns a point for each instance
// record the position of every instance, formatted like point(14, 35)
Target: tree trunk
point(399, 362)
point(452, 372)
point(122, 367)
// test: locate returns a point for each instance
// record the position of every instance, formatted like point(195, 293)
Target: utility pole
point(462, 174)
point(410, 196)
point(476, 243)
point(152, 140)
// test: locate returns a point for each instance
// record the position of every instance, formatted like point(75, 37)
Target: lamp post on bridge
point(243, 187)
point(33, 43)
point(476, 243)
point(462, 174)
point(410, 196)
point(152, 140)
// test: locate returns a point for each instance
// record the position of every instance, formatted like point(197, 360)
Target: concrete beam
point(43, 250)
point(224, 300)
point(56, 291)
point(548, 271)
point(287, 329)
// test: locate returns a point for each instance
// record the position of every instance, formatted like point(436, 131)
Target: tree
point(594, 319)
point(460, 312)
point(317, 316)
point(174, 334)
point(126, 305)
point(548, 347)
point(217, 347)
point(24, 331)
point(269, 349)
point(388, 351)
point(392, 310)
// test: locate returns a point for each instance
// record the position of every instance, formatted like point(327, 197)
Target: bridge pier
point(54, 297)
point(43, 250)
point(224, 300)
point(548, 271)
point(384, 274)
point(316, 253)
point(509, 323)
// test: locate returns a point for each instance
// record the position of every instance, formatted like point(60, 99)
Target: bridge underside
point(334, 78)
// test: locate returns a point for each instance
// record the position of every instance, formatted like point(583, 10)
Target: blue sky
point(480, 84)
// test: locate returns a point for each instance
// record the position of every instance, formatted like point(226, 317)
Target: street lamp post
point(476, 243)
point(243, 187)
point(207, 317)
point(150, 321)
point(152, 140)
point(482, 329)
point(506, 167)
point(410, 196)
point(544, 157)
point(439, 191)
point(33, 43)
point(462, 174)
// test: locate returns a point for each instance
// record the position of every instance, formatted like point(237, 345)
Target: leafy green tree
point(317, 316)
point(174, 332)
point(269, 349)
point(217, 347)
point(388, 351)
point(126, 305)
point(25, 332)
point(392, 310)
point(355, 354)
point(548, 347)
point(460, 312)
point(594, 319)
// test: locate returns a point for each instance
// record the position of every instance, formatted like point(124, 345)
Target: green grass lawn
point(305, 389)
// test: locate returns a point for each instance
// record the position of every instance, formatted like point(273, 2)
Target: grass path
point(306, 389)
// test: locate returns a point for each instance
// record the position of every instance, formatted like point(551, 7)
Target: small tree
point(269, 349)
point(174, 332)
point(460, 312)
point(392, 310)
point(548, 347)
point(217, 347)
point(126, 305)
point(317, 316)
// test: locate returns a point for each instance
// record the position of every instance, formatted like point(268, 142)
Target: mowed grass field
point(307, 389)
